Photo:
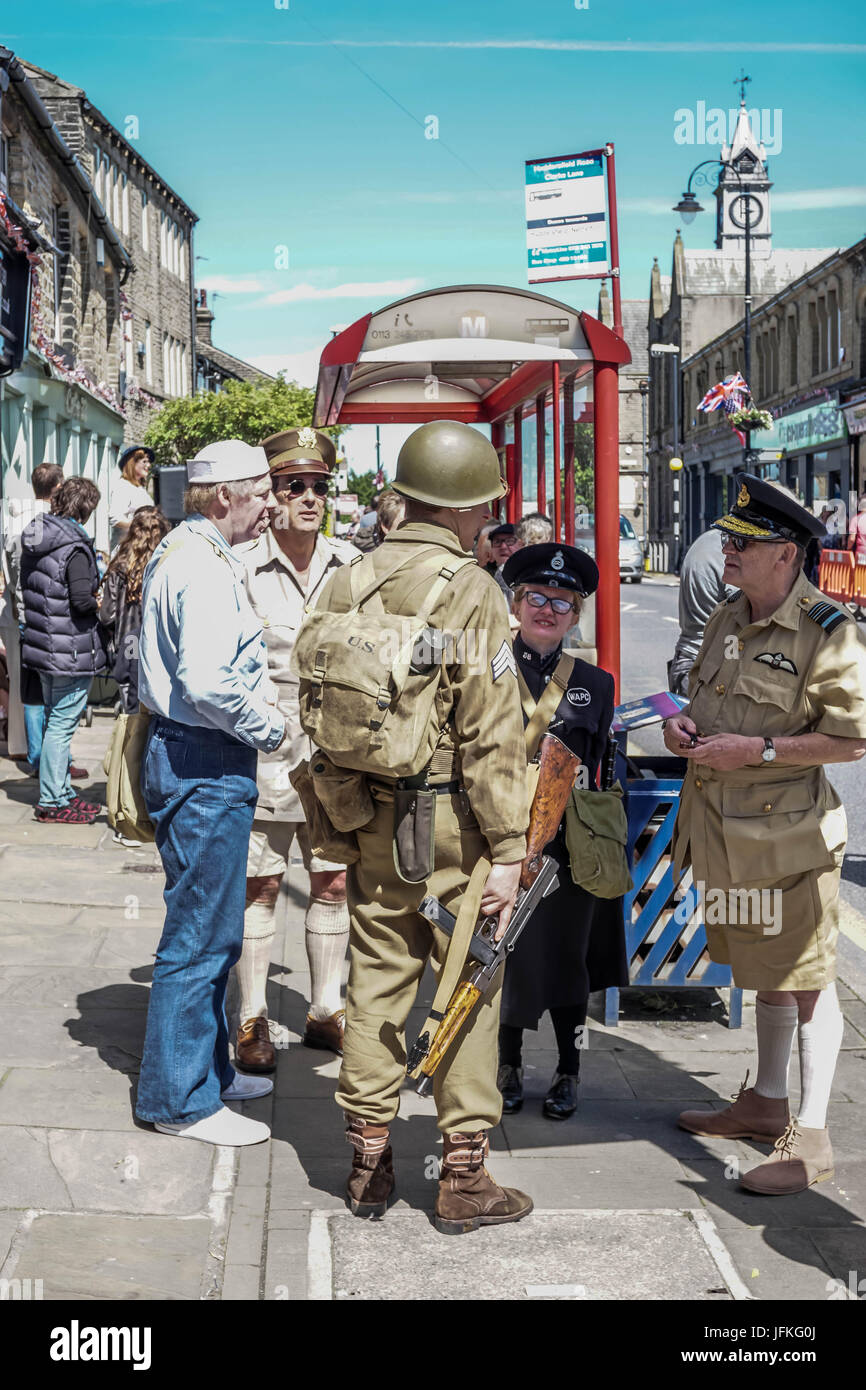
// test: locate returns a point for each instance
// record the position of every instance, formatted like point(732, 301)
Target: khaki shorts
point(271, 843)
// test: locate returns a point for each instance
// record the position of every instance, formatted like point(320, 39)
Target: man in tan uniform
point(286, 570)
point(778, 689)
point(448, 473)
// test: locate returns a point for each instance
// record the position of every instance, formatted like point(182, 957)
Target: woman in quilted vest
point(62, 638)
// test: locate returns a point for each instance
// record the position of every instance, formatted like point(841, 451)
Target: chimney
point(204, 317)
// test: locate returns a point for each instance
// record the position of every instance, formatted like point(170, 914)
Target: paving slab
point(15, 914)
point(552, 1256)
point(9, 1222)
point(99, 1099)
point(96, 1257)
point(285, 1272)
point(28, 1176)
point(730, 1205)
point(142, 1172)
point(27, 984)
point(32, 1036)
point(780, 1264)
point(66, 946)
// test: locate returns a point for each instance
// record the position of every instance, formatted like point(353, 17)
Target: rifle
point(538, 877)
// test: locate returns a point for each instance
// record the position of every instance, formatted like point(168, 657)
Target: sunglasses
point(741, 543)
point(296, 487)
point(558, 605)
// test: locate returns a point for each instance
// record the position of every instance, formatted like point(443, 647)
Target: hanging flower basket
point(751, 419)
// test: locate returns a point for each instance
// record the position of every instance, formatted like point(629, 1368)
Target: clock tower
point(750, 193)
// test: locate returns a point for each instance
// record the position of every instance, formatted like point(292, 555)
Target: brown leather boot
point(254, 1050)
point(326, 1033)
point(468, 1197)
point(371, 1180)
point(802, 1156)
point(751, 1116)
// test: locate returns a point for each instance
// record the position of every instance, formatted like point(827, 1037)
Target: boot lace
point(742, 1090)
point(787, 1144)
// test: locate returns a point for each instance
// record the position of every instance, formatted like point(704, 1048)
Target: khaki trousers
point(389, 946)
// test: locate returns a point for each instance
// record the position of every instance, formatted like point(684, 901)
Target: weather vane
point(741, 83)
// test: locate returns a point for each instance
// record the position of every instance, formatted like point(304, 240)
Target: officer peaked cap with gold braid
point(765, 511)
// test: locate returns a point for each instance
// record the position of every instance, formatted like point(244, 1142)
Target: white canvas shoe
point(247, 1087)
point(225, 1127)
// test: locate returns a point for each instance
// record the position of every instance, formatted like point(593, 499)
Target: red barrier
point(859, 594)
point(836, 575)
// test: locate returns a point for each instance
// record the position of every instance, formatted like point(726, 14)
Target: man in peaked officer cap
point(286, 571)
point(778, 689)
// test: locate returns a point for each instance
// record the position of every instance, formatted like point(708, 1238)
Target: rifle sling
point(458, 949)
point(540, 714)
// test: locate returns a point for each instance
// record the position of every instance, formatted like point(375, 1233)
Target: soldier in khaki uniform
point(286, 570)
point(448, 473)
point(778, 689)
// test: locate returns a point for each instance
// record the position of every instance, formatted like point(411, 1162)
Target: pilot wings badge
point(778, 661)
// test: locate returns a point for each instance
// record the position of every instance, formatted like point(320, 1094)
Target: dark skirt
point(573, 944)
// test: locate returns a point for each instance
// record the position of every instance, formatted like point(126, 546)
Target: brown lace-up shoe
point(802, 1156)
point(325, 1033)
point(371, 1180)
point(254, 1050)
point(751, 1116)
point(468, 1197)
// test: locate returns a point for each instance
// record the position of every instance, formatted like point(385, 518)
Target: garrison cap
point(553, 565)
point(305, 450)
point(764, 511)
point(133, 449)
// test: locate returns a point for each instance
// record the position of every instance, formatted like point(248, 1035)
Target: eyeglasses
point(558, 605)
point(296, 487)
point(740, 543)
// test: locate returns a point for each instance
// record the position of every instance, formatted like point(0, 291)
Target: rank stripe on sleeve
point(826, 615)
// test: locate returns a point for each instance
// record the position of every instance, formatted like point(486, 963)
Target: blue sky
point(305, 127)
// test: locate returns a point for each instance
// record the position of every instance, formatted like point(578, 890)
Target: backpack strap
point(540, 714)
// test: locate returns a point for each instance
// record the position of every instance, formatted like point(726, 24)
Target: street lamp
point(742, 211)
point(675, 463)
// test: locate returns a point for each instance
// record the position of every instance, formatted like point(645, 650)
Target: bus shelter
point(494, 355)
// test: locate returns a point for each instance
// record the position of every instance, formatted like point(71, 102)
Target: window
point(148, 361)
point(834, 354)
point(98, 174)
point(145, 225)
point(165, 359)
point(128, 347)
point(124, 205)
point(57, 272)
point(814, 339)
point(793, 369)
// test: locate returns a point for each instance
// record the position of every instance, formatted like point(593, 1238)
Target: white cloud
point(230, 284)
point(805, 199)
point(302, 367)
point(376, 291)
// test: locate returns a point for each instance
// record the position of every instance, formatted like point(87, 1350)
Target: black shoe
point(561, 1099)
point(510, 1082)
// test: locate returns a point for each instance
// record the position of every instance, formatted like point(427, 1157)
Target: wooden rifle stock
point(555, 780)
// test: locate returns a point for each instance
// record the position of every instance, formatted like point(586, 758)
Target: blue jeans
point(199, 786)
point(34, 725)
point(64, 698)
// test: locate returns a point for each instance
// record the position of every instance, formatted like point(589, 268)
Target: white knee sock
point(252, 968)
point(776, 1025)
point(820, 1040)
point(327, 936)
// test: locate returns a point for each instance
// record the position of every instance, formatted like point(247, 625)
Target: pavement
point(95, 1206)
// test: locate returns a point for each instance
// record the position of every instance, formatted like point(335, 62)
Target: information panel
point(566, 217)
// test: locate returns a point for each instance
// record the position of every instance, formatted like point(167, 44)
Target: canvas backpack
point(353, 668)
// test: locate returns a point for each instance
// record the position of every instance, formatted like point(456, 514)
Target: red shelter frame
point(487, 354)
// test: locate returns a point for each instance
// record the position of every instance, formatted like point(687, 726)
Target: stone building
point(809, 370)
point(632, 409)
point(214, 366)
point(157, 352)
point(62, 404)
point(702, 299)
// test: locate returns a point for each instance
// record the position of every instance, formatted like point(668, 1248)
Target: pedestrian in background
point(203, 674)
point(286, 571)
point(482, 547)
point(504, 541)
point(62, 637)
point(857, 531)
point(389, 512)
point(120, 609)
point(702, 589)
point(575, 942)
point(534, 529)
point(26, 710)
point(129, 491)
point(777, 691)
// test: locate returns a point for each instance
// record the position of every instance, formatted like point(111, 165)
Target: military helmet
point(448, 464)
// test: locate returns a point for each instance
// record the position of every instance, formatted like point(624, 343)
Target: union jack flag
point(731, 394)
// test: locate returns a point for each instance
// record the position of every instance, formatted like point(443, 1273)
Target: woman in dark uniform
point(575, 943)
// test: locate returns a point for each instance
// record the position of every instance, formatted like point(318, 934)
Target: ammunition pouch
point(326, 841)
point(596, 835)
point(415, 826)
point(344, 794)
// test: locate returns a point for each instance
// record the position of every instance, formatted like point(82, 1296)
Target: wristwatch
point(769, 753)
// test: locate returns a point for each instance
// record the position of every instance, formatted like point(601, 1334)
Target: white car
point(631, 556)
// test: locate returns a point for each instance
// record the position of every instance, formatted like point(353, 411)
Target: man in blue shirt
point(203, 675)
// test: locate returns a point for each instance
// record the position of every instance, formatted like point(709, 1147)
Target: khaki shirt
point(279, 601)
point(781, 676)
point(477, 708)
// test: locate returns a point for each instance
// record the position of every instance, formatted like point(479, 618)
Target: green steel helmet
point(447, 464)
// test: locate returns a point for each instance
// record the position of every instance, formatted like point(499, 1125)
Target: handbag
point(596, 835)
point(127, 812)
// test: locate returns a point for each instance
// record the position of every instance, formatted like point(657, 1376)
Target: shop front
point(811, 452)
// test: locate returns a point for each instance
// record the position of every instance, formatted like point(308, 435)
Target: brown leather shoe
point(751, 1116)
point(801, 1157)
point(468, 1197)
point(254, 1050)
point(371, 1180)
point(326, 1033)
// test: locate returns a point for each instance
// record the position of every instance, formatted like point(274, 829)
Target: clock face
point(740, 205)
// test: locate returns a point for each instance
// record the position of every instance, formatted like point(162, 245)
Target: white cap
point(227, 461)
